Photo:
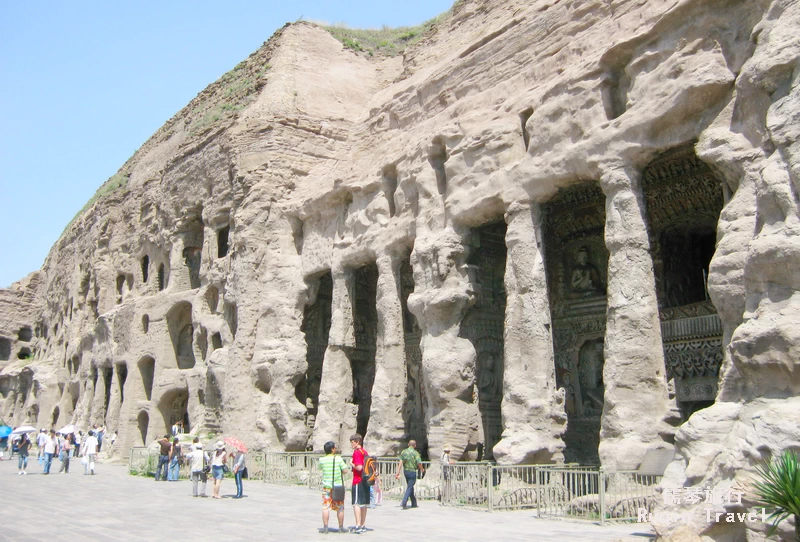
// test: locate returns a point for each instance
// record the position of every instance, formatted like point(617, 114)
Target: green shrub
point(778, 489)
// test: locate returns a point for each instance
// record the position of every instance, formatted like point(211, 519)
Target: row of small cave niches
point(171, 404)
point(25, 335)
point(192, 257)
point(181, 329)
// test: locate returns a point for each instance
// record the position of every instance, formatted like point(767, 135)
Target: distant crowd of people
point(63, 445)
point(219, 461)
point(201, 464)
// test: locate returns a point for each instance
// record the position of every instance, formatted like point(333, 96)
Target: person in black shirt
point(23, 447)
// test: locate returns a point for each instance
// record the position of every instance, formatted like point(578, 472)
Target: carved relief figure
point(585, 279)
point(312, 387)
point(590, 373)
point(488, 380)
point(413, 406)
point(569, 390)
point(185, 339)
point(192, 257)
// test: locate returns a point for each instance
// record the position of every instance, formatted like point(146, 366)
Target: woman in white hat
point(217, 466)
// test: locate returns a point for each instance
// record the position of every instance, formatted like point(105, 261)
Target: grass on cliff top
point(232, 92)
point(235, 90)
point(118, 181)
point(387, 41)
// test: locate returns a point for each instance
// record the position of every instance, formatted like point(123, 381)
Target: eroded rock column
point(98, 412)
point(386, 426)
point(633, 374)
point(440, 300)
point(533, 409)
point(336, 385)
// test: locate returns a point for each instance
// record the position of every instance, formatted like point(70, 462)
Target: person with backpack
point(410, 462)
point(360, 491)
point(332, 467)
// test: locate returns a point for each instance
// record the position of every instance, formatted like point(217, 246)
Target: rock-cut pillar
point(533, 409)
point(441, 298)
point(336, 384)
point(634, 375)
point(98, 413)
point(386, 426)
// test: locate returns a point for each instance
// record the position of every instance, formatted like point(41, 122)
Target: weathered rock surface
point(495, 242)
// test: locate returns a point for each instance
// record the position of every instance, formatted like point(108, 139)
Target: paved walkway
point(115, 506)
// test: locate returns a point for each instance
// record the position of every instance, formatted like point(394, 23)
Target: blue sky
point(83, 84)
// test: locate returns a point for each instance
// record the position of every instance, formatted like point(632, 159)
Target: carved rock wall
point(184, 297)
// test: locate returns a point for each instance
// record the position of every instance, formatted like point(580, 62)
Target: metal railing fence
point(465, 484)
point(291, 468)
point(566, 491)
point(512, 487)
point(392, 487)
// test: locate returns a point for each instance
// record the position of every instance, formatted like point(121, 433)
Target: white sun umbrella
point(23, 429)
point(67, 429)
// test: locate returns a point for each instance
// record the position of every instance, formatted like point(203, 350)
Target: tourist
point(99, 433)
point(332, 467)
point(23, 447)
point(113, 438)
point(77, 441)
point(198, 459)
point(174, 461)
point(60, 450)
point(410, 462)
point(218, 467)
point(163, 458)
point(89, 449)
point(446, 461)
point(50, 448)
point(66, 453)
point(360, 491)
point(41, 440)
point(238, 471)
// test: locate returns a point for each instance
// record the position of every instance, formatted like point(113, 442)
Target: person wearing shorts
point(217, 467)
point(332, 467)
point(360, 489)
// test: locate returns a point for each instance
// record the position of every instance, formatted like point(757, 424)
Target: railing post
point(490, 482)
point(601, 491)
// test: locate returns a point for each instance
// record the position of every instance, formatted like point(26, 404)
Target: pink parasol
point(235, 443)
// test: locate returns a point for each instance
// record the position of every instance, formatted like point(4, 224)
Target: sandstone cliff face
point(472, 245)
